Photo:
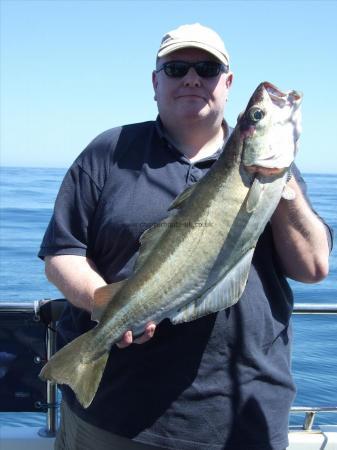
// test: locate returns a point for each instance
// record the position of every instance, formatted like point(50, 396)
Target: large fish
point(196, 261)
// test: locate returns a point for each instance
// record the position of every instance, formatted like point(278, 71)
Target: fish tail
point(68, 366)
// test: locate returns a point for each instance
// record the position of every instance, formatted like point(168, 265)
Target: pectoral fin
point(288, 193)
point(254, 195)
point(223, 295)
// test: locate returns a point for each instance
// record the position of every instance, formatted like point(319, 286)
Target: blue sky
point(71, 69)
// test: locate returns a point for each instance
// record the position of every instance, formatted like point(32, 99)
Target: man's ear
point(155, 83)
point(229, 80)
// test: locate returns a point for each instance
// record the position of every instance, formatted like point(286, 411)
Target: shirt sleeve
point(67, 232)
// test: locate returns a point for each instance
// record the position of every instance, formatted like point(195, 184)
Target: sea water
point(27, 196)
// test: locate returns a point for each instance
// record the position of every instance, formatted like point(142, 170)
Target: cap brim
point(180, 45)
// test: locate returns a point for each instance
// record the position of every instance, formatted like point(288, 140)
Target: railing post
point(309, 420)
point(52, 405)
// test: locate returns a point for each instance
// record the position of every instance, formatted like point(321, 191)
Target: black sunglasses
point(205, 69)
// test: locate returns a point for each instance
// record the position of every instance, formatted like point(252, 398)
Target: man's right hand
point(146, 336)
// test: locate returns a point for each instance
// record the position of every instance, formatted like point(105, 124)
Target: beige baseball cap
point(197, 36)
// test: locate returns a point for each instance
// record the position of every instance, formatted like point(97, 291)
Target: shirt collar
point(168, 144)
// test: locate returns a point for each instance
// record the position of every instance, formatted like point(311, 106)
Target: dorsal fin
point(103, 296)
point(150, 238)
point(178, 202)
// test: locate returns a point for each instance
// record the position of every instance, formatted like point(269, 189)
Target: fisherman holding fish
point(204, 289)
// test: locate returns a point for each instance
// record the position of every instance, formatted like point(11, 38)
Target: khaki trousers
point(76, 434)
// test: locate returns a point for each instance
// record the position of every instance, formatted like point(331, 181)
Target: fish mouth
point(282, 99)
point(279, 97)
point(264, 171)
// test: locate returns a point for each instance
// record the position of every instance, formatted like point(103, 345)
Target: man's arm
point(300, 238)
point(77, 278)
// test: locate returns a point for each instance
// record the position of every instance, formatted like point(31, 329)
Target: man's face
point(191, 98)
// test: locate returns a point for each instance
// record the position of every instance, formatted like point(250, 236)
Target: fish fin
point(68, 366)
point(221, 296)
point(150, 238)
point(180, 200)
point(288, 193)
point(254, 195)
point(102, 298)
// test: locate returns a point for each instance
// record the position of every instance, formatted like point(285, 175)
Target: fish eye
point(255, 114)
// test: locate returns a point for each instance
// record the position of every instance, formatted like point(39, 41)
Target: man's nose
point(192, 78)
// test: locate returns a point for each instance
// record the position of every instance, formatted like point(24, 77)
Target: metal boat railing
point(50, 311)
point(310, 413)
point(315, 308)
point(52, 404)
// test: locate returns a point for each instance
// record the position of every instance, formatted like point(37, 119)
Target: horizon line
point(66, 168)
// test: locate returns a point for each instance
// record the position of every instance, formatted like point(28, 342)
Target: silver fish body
point(197, 260)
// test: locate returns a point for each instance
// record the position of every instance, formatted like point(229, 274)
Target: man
point(222, 381)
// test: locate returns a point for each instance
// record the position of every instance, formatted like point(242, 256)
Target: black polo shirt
point(220, 382)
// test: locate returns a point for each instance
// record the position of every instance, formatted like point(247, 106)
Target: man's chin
point(193, 113)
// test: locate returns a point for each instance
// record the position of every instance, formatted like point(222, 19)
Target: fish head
point(269, 128)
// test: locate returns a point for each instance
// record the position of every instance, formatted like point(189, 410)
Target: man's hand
point(146, 336)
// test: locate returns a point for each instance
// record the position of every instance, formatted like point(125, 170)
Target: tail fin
point(69, 367)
